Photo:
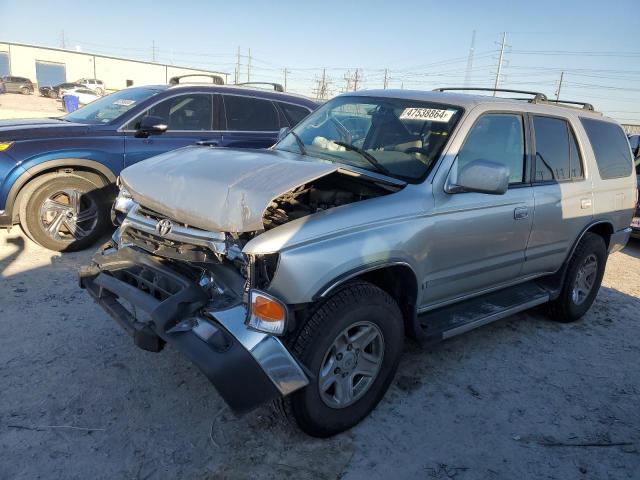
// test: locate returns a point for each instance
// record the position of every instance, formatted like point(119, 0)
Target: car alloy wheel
point(68, 215)
point(585, 279)
point(351, 364)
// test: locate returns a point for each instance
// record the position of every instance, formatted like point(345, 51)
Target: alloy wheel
point(585, 279)
point(351, 364)
point(68, 215)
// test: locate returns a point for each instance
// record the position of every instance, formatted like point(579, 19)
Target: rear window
point(610, 147)
point(250, 114)
point(294, 113)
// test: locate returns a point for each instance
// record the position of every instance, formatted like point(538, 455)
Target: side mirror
point(481, 176)
point(151, 125)
point(283, 132)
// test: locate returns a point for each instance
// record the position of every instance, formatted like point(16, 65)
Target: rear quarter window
point(611, 148)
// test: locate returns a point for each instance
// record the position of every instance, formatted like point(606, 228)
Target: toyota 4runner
point(294, 273)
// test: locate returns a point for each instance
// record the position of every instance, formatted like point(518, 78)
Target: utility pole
point(285, 78)
point(499, 72)
point(153, 51)
point(62, 40)
point(347, 78)
point(559, 86)
point(386, 79)
point(356, 78)
point(237, 79)
point(249, 67)
point(472, 50)
point(322, 90)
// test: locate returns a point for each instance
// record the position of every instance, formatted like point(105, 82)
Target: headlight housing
point(266, 313)
point(124, 201)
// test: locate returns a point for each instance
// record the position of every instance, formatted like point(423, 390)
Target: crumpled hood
point(220, 189)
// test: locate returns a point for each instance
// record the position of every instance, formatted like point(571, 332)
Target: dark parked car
point(17, 85)
point(54, 91)
point(57, 174)
point(2, 87)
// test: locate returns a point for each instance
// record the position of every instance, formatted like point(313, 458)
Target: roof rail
point(584, 105)
point(537, 96)
point(276, 86)
point(215, 79)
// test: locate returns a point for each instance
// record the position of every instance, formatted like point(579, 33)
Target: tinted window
point(186, 112)
point(610, 147)
point(498, 138)
point(250, 114)
point(553, 158)
point(575, 157)
point(294, 113)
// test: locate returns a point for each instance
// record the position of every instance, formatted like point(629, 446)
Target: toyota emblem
point(163, 227)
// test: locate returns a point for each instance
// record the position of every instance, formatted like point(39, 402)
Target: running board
point(452, 320)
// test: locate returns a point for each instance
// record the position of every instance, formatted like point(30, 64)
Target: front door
point(190, 118)
point(479, 240)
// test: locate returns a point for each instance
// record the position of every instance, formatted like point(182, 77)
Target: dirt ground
point(15, 105)
point(523, 398)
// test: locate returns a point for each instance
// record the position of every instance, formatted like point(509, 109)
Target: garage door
point(49, 73)
point(4, 64)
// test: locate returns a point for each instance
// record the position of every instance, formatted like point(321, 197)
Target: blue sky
point(423, 44)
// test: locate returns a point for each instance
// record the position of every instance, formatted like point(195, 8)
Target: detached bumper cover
point(247, 367)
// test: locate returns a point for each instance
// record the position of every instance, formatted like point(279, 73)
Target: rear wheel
point(582, 280)
point(64, 213)
point(25, 91)
point(53, 94)
point(352, 345)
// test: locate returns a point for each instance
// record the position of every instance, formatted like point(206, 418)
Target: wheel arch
point(90, 169)
point(397, 278)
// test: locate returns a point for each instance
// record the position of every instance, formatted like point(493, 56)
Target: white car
point(93, 84)
point(84, 95)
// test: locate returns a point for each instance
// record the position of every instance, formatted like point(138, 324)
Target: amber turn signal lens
point(267, 309)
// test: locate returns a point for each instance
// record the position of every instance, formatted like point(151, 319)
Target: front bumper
point(247, 367)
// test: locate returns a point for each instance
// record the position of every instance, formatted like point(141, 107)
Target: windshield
point(109, 108)
point(397, 137)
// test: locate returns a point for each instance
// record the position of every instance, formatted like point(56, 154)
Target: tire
point(59, 193)
point(99, 91)
point(358, 309)
point(53, 94)
point(25, 91)
point(571, 305)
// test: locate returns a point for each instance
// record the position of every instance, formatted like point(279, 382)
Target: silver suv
point(294, 273)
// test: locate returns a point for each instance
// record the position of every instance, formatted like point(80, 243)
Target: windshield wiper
point(366, 155)
point(300, 143)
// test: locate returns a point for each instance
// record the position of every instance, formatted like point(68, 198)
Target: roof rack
point(537, 96)
point(276, 86)
point(585, 105)
point(215, 79)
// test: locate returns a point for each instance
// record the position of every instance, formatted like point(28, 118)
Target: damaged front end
point(166, 282)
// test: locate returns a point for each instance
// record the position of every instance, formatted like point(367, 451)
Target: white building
point(50, 66)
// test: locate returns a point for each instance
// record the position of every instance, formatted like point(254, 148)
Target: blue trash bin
point(70, 103)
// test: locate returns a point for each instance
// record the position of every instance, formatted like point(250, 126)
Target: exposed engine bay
point(327, 192)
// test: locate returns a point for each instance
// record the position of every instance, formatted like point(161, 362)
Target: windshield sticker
point(432, 114)
point(124, 103)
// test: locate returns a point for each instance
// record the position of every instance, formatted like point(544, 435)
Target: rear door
point(190, 118)
point(563, 194)
point(251, 122)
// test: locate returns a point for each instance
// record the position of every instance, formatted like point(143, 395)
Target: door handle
point(520, 213)
point(585, 203)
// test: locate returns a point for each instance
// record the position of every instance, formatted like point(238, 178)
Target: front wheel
point(352, 344)
point(64, 213)
point(582, 280)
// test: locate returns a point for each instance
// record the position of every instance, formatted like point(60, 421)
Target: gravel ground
point(15, 105)
point(522, 398)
